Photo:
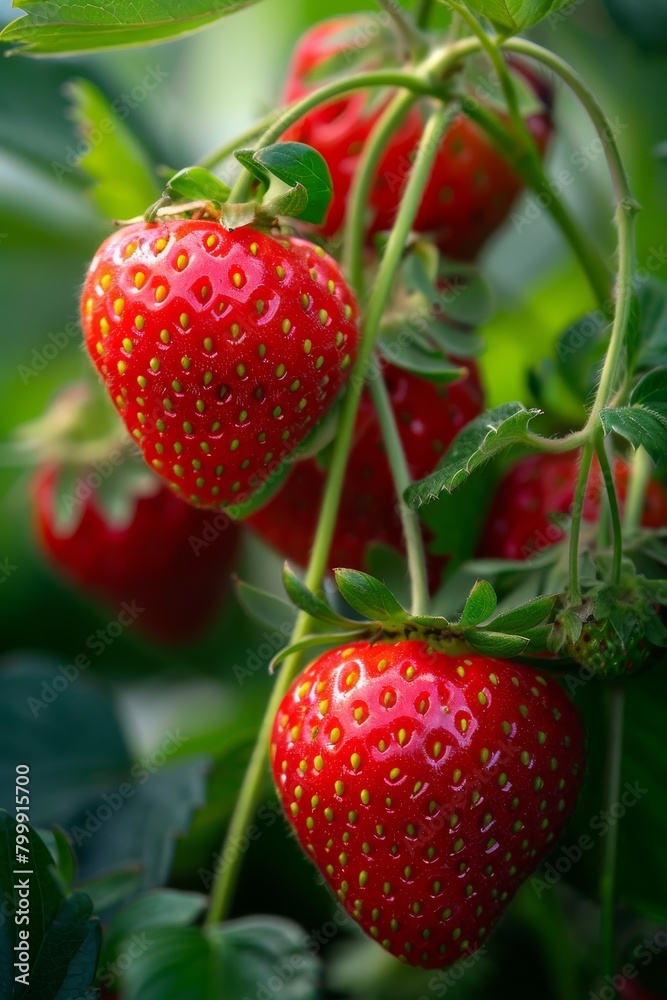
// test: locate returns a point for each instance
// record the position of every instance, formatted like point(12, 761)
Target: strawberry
point(518, 524)
point(426, 787)
point(221, 350)
point(471, 189)
point(429, 416)
point(167, 557)
point(605, 653)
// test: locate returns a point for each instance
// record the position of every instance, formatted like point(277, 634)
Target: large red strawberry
point(172, 561)
point(519, 523)
point(425, 787)
point(429, 417)
point(471, 189)
point(221, 350)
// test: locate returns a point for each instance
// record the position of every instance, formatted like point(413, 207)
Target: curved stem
point(642, 467)
point(225, 883)
point(404, 79)
point(238, 142)
point(412, 533)
point(577, 515)
point(610, 486)
point(616, 711)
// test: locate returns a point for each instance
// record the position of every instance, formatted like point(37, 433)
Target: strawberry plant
point(434, 737)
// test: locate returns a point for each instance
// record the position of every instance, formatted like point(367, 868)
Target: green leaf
point(195, 183)
point(61, 27)
point(480, 440)
point(495, 643)
point(369, 596)
point(651, 390)
point(112, 887)
point(226, 960)
point(307, 601)
point(64, 941)
point(640, 426)
point(125, 183)
point(480, 605)
point(65, 860)
point(430, 365)
point(265, 607)
point(294, 164)
point(652, 298)
point(516, 15)
point(159, 908)
point(526, 616)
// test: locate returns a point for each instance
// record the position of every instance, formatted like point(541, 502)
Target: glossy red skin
point(471, 189)
point(456, 800)
point(249, 418)
point(518, 524)
point(429, 417)
point(151, 561)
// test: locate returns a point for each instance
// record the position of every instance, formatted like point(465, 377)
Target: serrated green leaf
point(294, 164)
point(265, 607)
point(124, 180)
point(429, 365)
point(369, 596)
point(495, 643)
point(480, 605)
point(526, 616)
point(66, 26)
point(194, 183)
point(516, 15)
point(640, 426)
point(309, 602)
point(480, 440)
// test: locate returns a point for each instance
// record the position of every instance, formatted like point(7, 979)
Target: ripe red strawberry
point(518, 524)
point(221, 350)
point(429, 417)
point(471, 190)
point(426, 788)
point(172, 560)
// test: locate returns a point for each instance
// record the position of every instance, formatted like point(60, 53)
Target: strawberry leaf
point(309, 602)
point(265, 607)
point(484, 437)
point(195, 183)
point(526, 616)
point(430, 365)
point(369, 596)
point(296, 163)
point(516, 15)
point(62, 27)
point(495, 643)
point(640, 425)
point(651, 391)
point(480, 605)
point(652, 298)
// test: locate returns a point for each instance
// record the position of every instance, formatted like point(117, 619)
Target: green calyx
point(372, 613)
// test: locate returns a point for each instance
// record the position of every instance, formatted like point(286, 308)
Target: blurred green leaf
point(515, 15)
point(228, 960)
point(645, 21)
point(159, 908)
point(125, 184)
point(63, 942)
point(265, 607)
point(60, 27)
point(430, 365)
point(113, 886)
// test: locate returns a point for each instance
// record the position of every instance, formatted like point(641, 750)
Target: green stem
point(404, 79)
point(544, 917)
point(642, 468)
point(616, 711)
point(610, 486)
point(423, 13)
point(577, 514)
point(225, 883)
point(412, 533)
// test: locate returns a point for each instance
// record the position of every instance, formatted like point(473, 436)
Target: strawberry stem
point(225, 883)
point(615, 717)
point(577, 514)
point(610, 486)
point(642, 467)
point(423, 13)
